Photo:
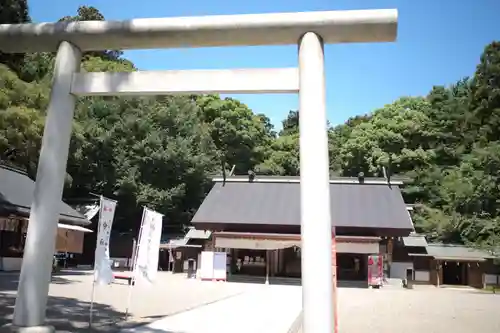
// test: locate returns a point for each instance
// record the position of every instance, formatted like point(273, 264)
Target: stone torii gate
point(310, 30)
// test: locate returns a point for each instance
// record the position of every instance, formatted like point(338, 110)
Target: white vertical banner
point(103, 273)
point(146, 265)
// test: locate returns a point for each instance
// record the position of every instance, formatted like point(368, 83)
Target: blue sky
point(439, 42)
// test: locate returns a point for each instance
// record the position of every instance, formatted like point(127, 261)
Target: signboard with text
point(146, 266)
point(103, 273)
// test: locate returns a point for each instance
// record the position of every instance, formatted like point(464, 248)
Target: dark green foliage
point(162, 151)
point(13, 11)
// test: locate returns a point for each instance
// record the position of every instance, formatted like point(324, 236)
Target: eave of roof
point(453, 252)
point(415, 241)
point(457, 252)
point(24, 212)
point(16, 195)
point(73, 227)
point(198, 234)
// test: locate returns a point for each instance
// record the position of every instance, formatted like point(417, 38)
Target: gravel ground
point(70, 294)
point(425, 309)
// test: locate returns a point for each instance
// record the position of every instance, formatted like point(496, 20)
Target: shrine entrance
point(309, 30)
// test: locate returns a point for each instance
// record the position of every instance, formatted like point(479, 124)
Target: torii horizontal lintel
point(203, 31)
point(224, 81)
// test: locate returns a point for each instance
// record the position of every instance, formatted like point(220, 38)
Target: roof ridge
point(298, 177)
point(346, 181)
point(296, 180)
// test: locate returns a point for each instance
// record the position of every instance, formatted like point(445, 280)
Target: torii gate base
point(309, 30)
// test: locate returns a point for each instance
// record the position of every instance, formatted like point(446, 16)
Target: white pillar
point(31, 301)
point(316, 227)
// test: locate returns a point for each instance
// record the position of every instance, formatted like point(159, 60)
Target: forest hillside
point(163, 150)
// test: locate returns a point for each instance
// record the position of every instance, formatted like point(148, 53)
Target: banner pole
point(92, 301)
point(93, 271)
point(134, 265)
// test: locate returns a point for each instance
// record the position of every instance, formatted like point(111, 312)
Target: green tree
point(21, 122)
point(447, 113)
point(484, 120)
point(241, 137)
point(143, 151)
point(89, 13)
point(282, 155)
point(13, 11)
point(394, 136)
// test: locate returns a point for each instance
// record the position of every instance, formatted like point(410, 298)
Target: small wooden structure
point(16, 195)
point(444, 264)
point(176, 253)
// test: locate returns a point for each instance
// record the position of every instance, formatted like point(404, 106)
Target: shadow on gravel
point(70, 315)
point(64, 313)
point(8, 282)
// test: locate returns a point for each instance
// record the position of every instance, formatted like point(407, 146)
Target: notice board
point(207, 265)
point(213, 265)
point(220, 265)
